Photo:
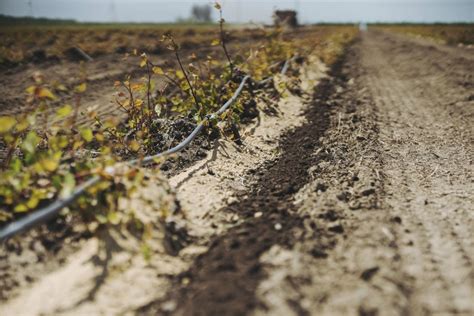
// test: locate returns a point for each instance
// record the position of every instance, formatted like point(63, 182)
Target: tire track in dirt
point(416, 260)
point(425, 159)
point(346, 262)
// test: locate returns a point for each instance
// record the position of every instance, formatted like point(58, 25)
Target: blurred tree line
point(201, 13)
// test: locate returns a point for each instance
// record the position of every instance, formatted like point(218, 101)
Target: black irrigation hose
point(44, 214)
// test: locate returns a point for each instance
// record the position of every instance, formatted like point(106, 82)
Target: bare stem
point(76, 111)
point(11, 151)
point(187, 79)
point(46, 121)
point(148, 87)
point(131, 111)
point(221, 25)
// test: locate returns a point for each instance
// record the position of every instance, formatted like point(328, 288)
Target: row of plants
point(45, 156)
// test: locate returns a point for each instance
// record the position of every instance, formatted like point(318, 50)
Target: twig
point(221, 26)
point(187, 79)
point(148, 86)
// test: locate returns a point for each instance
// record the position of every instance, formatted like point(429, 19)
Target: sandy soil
point(369, 208)
point(393, 218)
point(356, 199)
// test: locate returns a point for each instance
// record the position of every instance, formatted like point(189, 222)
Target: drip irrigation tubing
point(46, 213)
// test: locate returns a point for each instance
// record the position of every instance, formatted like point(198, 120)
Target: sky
point(258, 11)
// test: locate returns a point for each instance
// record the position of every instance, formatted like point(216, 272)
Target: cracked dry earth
point(369, 208)
point(363, 205)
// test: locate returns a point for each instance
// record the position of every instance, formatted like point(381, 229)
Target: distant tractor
point(285, 18)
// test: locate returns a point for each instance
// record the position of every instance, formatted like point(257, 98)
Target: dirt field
point(450, 34)
point(373, 194)
point(354, 198)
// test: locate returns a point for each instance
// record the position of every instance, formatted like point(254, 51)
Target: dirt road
point(368, 210)
point(358, 200)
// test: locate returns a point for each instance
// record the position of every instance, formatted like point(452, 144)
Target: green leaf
point(87, 134)
point(81, 88)
point(179, 74)
point(62, 141)
point(16, 164)
point(64, 111)
point(31, 118)
point(113, 218)
point(31, 89)
point(143, 62)
point(138, 103)
point(30, 142)
point(49, 164)
point(22, 125)
point(146, 252)
point(101, 218)
point(134, 145)
point(68, 184)
point(158, 70)
point(6, 124)
point(61, 87)
point(21, 208)
point(215, 42)
point(32, 202)
point(46, 93)
point(158, 160)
